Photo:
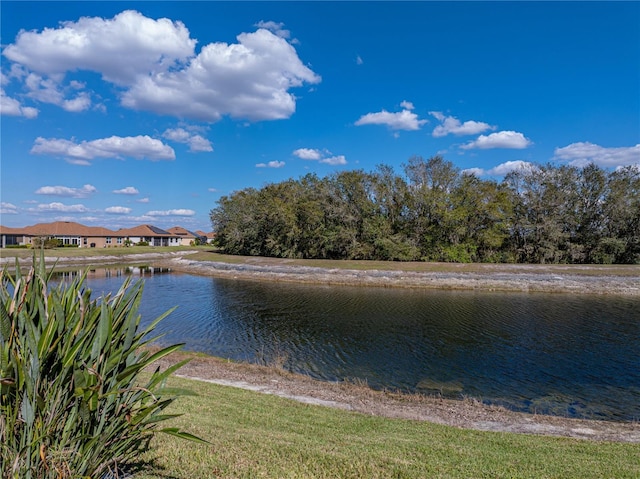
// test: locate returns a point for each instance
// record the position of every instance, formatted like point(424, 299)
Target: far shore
point(576, 279)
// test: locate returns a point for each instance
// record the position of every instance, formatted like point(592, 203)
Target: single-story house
point(187, 238)
point(150, 234)
point(76, 234)
point(68, 232)
point(208, 236)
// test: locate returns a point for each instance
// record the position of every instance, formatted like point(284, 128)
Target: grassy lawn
point(94, 252)
point(256, 435)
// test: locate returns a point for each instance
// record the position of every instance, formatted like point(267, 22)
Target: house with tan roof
point(150, 234)
point(69, 233)
point(209, 236)
point(187, 238)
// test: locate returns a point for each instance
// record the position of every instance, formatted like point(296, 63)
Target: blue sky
point(123, 113)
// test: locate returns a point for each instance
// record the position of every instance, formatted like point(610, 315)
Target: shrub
point(72, 400)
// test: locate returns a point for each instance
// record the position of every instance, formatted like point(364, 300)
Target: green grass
point(93, 252)
point(256, 435)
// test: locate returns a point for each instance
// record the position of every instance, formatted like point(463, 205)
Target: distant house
point(12, 236)
point(209, 236)
point(187, 237)
point(150, 234)
point(69, 233)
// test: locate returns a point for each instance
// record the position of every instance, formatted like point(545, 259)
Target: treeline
point(538, 214)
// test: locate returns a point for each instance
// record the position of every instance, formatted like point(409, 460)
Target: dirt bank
point(521, 278)
point(468, 414)
point(577, 279)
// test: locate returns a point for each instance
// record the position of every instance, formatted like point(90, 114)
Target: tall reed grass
point(72, 401)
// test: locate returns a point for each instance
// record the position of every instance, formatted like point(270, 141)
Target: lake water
point(576, 356)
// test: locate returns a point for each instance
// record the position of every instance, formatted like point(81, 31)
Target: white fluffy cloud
point(451, 125)
point(47, 90)
point(129, 190)
point(174, 212)
point(334, 160)
point(583, 153)
point(308, 154)
point(62, 208)
point(155, 64)
point(401, 120)
point(12, 107)
point(275, 27)
point(118, 210)
point(140, 147)
point(321, 156)
point(120, 48)
point(271, 164)
point(500, 139)
point(473, 171)
point(500, 170)
point(249, 79)
point(509, 166)
point(83, 192)
point(8, 208)
point(197, 143)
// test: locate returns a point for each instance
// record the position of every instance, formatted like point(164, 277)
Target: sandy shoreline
point(515, 278)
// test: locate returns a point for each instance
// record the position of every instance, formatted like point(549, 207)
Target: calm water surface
point(561, 354)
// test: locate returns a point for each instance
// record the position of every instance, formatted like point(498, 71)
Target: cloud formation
point(582, 153)
point(62, 208)
point(334, 160)
point(120, 49)
point(500, 139)
point(139, 147)
point(155, 64)
point(451, 125)
point(308, 154)
point(321, 156)
point(118, 210)
point(271, 164)
point(83, 192)
point(197, 143)
point(401, 120)
point(174, 212)
point(129, 190)
point(500, 170)
point(12, 107)
point(8, 208)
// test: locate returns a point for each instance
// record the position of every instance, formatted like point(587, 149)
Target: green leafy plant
point(74, 401)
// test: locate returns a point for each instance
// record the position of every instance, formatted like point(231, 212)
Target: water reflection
point(574, 356)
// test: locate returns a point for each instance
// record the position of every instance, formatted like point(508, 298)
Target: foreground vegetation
point(256, 435)
point(434, 212)
point(72, 403)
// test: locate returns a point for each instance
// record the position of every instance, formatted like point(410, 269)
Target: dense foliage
point(72, 400)
point(434, 212)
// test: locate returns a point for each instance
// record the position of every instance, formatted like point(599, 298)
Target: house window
point(108, 239)
point(119, 240)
